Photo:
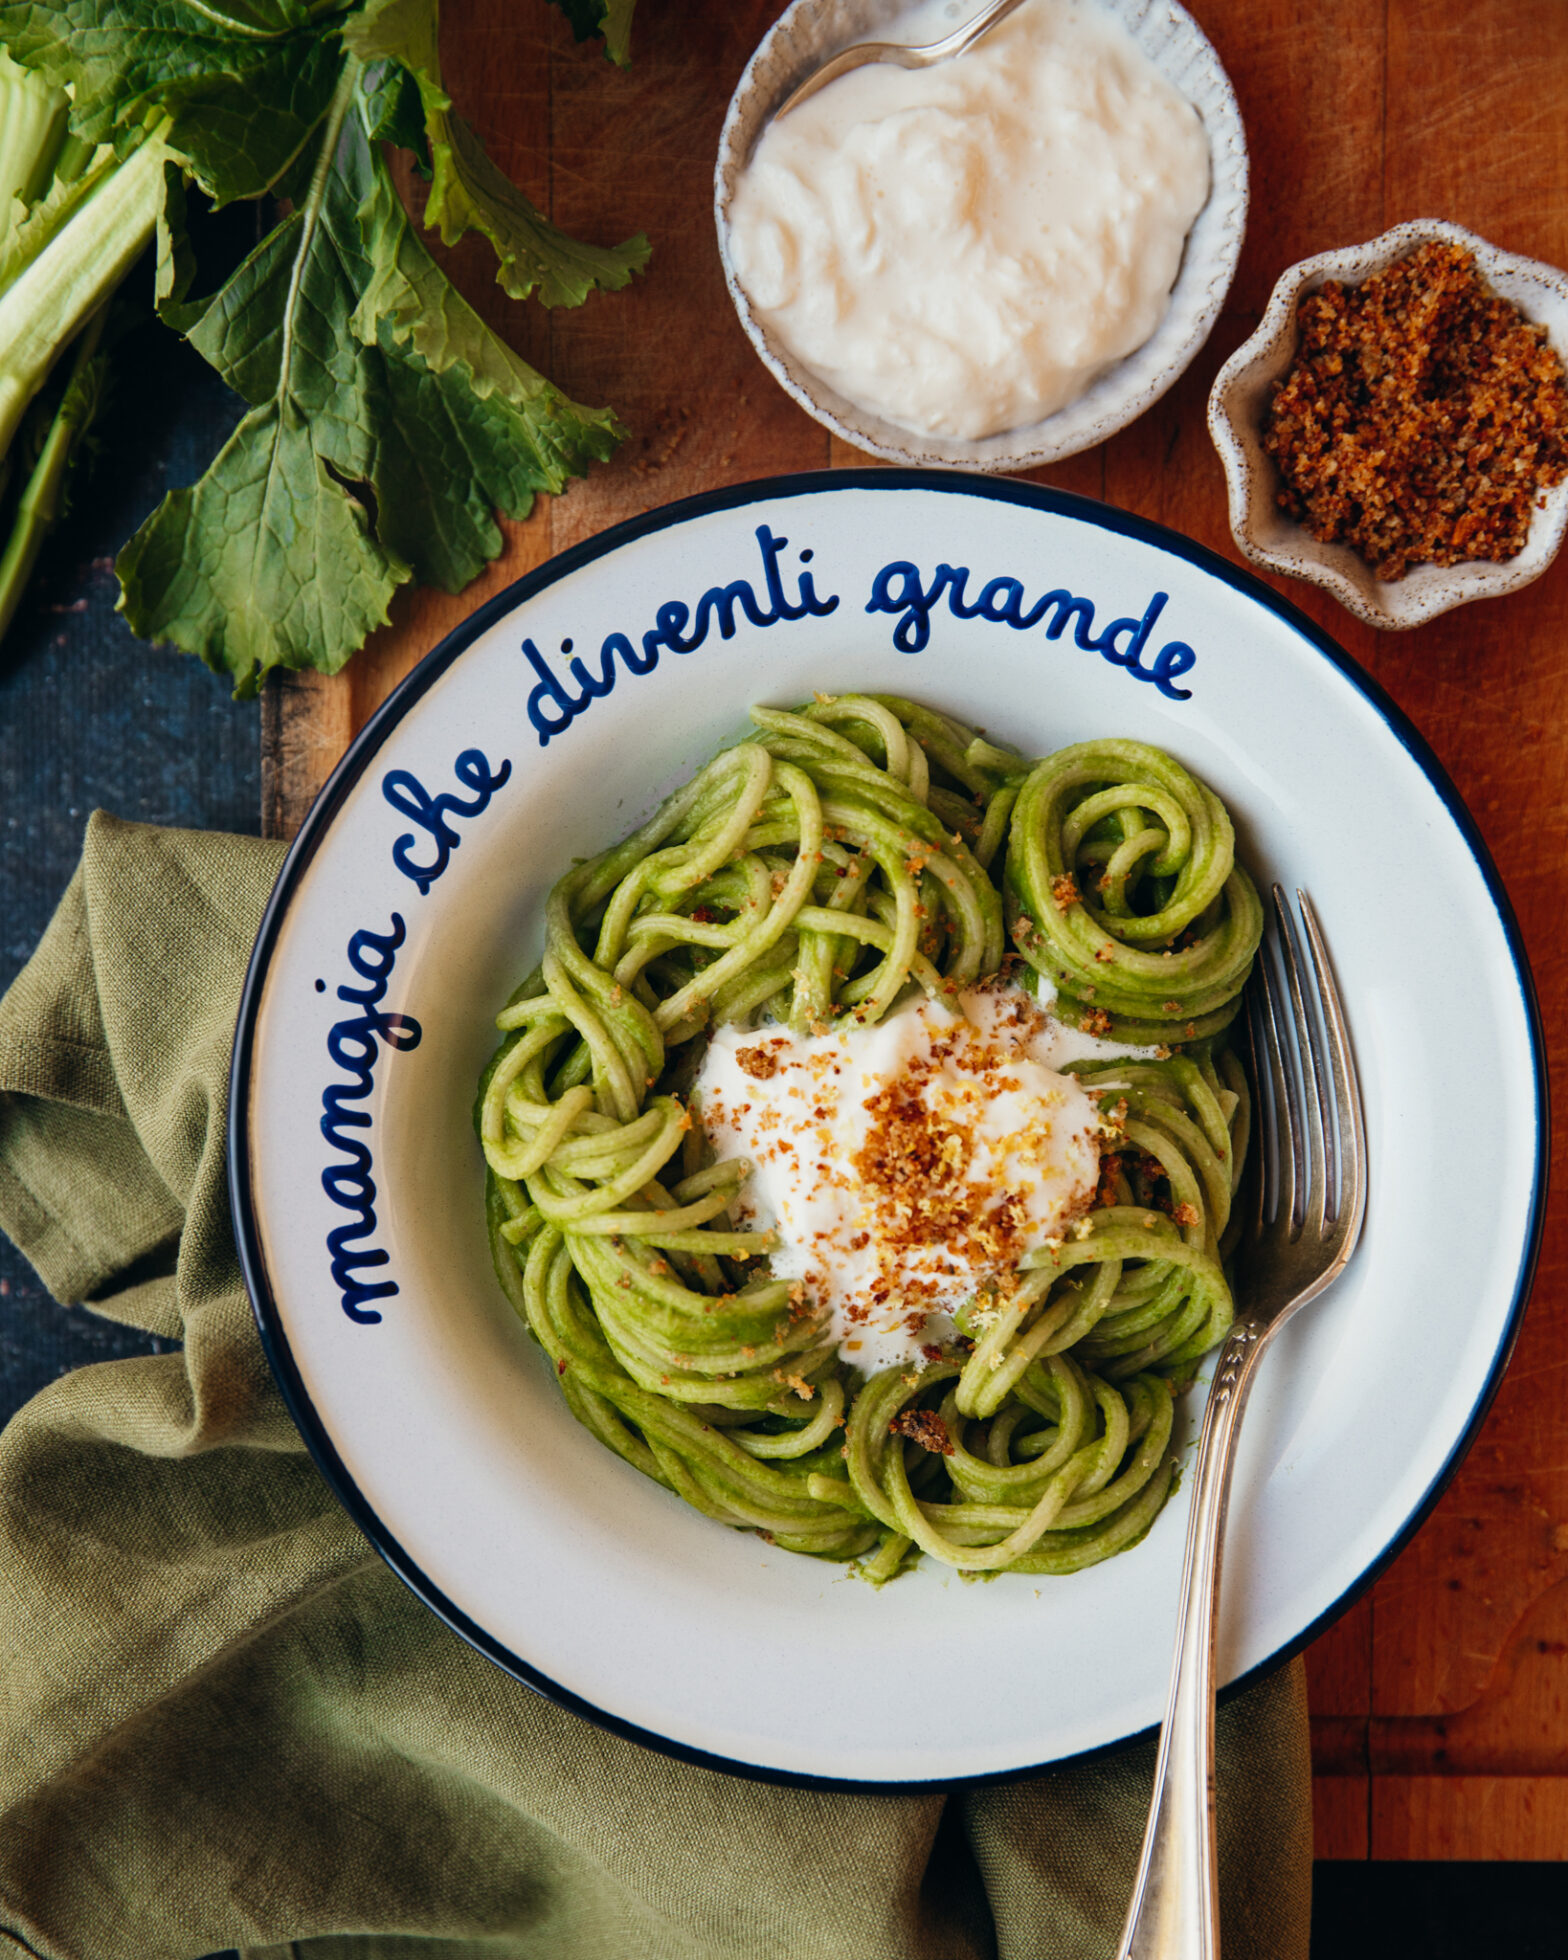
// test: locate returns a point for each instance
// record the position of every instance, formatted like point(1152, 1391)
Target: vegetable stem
point(342, 97)
point(386, 423)
point(43, 495)
point(54, 296)
point(32, 128)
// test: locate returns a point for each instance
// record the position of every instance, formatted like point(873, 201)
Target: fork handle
point(1174, 1914)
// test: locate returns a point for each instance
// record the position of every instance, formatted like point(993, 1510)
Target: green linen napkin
point(224, 1723)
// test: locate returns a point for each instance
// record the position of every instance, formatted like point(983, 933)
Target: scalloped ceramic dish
point(411, 904)
point(802, 38)
point(1240, 398)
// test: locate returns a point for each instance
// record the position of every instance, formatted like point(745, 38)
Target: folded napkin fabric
point(225, 1724)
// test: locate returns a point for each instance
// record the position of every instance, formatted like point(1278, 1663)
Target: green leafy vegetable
point(32, 130)
point(324, 331)
point(73, 217)
point(246, 84)
point(50, 447)
point(467, 192)
point(386, 424)
point(83, 249)
point(611, 18)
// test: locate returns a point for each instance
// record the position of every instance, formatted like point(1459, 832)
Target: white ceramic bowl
point(802, 38)
point(1239, 402)
point(410, 907)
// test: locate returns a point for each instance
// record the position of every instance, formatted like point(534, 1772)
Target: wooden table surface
point(1440, 1701)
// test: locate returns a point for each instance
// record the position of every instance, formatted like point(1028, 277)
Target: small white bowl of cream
point(995, 262)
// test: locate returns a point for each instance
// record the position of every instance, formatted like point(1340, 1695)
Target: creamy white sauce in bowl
point(964, 249)
point(992, 263)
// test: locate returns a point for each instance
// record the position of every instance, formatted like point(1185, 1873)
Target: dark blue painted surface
point(92, 717)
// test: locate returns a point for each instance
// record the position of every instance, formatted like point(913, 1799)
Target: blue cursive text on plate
point(406, 793)
point(355, 1042)
point(898, 588)
point(553, 706)
point(352, 1044)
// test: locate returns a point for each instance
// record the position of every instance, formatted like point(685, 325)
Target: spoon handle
point(960, 41)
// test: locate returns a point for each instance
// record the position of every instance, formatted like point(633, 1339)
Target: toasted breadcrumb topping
point(905, 1168)
point(925, 1427)
point(1422, 418)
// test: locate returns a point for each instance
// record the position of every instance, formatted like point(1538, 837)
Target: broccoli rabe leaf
point(386, 425)
point(247, 82)
point(529, 436)
point(391, 111)
point(266, 562)
point(467, 191)
point(32, 129)
point(611, 18)
point(378, 445)
point(176, 262)
point(405, 31)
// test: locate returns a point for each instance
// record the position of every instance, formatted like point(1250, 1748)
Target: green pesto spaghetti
point(839, 865)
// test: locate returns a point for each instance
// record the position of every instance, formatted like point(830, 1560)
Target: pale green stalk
point(32, 128)
point(44, 493)
point(60, 290)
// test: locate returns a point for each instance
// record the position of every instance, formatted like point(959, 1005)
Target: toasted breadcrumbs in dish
point(1422, 418)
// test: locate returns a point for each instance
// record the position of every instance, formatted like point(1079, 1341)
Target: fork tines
point(1311, 1146)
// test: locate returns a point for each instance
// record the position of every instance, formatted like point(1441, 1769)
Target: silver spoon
point(960, 41)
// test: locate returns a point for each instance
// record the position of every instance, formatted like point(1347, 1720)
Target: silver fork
point(1308, 1201)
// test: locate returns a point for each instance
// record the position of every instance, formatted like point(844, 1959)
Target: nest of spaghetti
point(841, 861)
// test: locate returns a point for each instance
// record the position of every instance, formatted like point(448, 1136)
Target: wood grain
point(1440, 1701)
point(1506, 1817)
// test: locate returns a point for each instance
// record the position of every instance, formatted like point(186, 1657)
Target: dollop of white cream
point(964, 249)
point(906, 1166)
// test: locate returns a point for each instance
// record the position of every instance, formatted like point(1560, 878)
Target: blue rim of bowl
point(361, 752)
